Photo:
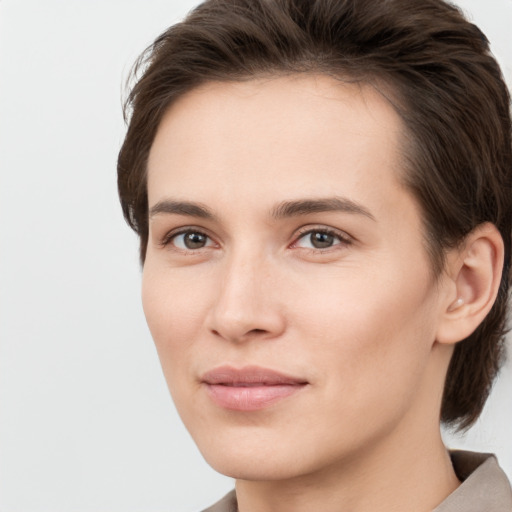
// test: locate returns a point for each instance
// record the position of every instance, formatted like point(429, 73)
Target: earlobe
point(475, 269)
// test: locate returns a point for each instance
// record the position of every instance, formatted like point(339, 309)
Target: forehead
point(289, 134)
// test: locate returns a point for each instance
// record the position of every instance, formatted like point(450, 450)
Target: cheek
point(371, 332)
point(174, 306)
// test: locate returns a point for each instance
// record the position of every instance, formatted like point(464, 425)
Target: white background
point(86, 423)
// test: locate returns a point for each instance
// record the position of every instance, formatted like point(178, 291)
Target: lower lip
point(250, 398)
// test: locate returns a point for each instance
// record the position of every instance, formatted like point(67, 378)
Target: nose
point(247, 304)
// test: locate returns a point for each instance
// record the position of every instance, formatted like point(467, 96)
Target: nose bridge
point(243, 282)
point(245, 304)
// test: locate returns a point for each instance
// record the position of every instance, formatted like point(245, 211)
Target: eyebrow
point(329, 204)
point(181, 208)
point(283, 210)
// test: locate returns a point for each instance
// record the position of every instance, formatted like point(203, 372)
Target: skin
point(359, 321)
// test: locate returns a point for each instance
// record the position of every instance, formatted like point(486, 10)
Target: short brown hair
point(444, 82)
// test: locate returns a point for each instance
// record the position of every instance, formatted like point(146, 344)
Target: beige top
point(484, 488)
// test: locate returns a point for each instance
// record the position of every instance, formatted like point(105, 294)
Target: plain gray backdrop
point(86, 423)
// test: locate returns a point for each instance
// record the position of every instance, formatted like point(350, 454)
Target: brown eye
point(194, 240)
point(321, 240)
point(191, 240)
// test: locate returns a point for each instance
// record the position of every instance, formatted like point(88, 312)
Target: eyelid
point(166, 240)
point(344, 237)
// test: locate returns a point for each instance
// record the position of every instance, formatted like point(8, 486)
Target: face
point(286, 285)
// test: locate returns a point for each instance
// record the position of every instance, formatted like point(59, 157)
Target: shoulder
point(226, 504)
point(484, 485)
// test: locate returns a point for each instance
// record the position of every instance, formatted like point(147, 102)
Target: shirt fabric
point(484, 487)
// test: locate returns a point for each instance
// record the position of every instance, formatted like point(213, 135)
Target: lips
point(250, 388)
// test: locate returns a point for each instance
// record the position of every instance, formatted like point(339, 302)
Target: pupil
point(195, 240)
point(322, 240)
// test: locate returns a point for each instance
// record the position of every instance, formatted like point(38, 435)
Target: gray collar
point(484, 487)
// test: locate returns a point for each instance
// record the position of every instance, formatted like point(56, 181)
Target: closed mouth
point(250, 388)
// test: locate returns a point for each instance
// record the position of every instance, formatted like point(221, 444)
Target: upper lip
point(249, 375)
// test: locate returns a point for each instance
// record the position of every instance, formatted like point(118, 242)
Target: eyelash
point(343, 238)
point(167, 239)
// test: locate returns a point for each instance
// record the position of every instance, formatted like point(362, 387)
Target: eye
point(321, 239)
point(189, 240)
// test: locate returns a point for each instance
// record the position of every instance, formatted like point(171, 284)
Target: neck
point(398, 477)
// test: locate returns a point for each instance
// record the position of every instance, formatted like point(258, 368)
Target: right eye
point(189, 240)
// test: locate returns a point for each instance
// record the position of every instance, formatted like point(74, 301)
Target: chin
point(245, 455)
point(241, 466)
point(264, 454)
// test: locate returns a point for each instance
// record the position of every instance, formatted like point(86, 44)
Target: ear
point(473, 273)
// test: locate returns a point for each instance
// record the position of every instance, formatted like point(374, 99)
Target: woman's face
point(286, 285)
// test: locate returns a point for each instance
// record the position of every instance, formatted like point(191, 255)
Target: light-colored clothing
point(484, 488)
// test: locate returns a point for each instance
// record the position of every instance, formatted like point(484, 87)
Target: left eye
point(190, 240)
point(319, 239)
